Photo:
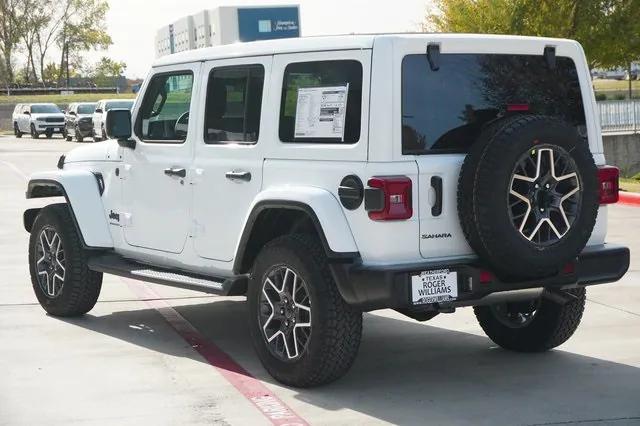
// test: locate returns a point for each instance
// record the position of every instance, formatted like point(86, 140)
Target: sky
point(132, 24)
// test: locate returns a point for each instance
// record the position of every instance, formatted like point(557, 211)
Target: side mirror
point(118, 126)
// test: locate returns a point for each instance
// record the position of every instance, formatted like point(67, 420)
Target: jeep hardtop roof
point(507, 43)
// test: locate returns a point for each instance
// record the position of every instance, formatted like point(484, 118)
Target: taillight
point(389, 198)
point(608, 184)
point(517, 107)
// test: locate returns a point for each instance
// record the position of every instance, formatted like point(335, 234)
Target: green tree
point(36, 16)
point(603, 27)
point(106, 70)
point(83, 29)
point(9, 35)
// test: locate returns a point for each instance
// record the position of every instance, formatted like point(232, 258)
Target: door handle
point(174, 171)
point(238, 175)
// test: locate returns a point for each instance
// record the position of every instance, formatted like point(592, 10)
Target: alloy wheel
point(516, 315)
point(544, 195)
point(50, 263)
point(285, 313)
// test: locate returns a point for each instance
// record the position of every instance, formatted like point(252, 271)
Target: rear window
point(445, 110)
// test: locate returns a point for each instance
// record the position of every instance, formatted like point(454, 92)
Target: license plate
point(434, 287)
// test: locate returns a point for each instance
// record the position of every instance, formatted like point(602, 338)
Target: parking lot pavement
point(124, 363)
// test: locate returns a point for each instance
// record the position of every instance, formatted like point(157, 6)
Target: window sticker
point(321, 111)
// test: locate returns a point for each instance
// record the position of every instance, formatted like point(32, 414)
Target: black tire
point(80, 287)
point(552, 325)
point(79, 137)
point(16, 131)
point(483, 196)
point(34, 132)
point(336, 328)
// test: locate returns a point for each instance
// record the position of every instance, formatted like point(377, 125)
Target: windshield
point(86, 108)
point(447, 109)
point(45, 109)
point(119, 105)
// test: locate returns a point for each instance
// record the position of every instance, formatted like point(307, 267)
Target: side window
point(322, 109)
point(234, 101)
point(164, 113)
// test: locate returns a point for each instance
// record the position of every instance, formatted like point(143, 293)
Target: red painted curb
point(251, 388)
point(629, 198)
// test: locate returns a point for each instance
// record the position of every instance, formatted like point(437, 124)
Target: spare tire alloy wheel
point(50, 263)
point(285, 313)
point(528, 196)
point(544, 195)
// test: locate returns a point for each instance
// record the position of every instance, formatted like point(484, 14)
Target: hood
point(99, 151)
point(47, 115)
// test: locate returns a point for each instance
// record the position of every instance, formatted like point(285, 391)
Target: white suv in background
point(37, 119)
point(329, 176)
point(100, 114)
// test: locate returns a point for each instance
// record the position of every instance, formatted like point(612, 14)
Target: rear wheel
point(16, 131)
point(303, 331)
point(34, 132)
point(61, 280)
point(532, 326)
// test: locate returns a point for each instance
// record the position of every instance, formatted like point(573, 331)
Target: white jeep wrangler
point(324, 177)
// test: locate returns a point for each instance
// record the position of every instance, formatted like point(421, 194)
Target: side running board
point(118, 265)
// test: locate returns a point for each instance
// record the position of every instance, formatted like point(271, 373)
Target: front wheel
point(532, 326)
point(34, 132)
point(61, 280)
point(79, 137)
point(303, 331)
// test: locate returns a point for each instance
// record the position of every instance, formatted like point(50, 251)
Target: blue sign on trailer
point(268, 23)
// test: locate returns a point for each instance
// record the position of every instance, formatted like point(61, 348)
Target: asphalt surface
point(124, 363)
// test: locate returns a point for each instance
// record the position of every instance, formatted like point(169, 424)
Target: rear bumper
point(389, 286)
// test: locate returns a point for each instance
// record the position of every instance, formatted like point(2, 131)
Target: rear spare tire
point(528, 196)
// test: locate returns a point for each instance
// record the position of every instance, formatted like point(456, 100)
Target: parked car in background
point(37, 119)
point(79, 121)
point(17, 111)
point(100, 115)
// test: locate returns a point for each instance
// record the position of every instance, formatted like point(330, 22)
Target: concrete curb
point(629, 198)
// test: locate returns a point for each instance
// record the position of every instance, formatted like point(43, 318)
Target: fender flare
point(323, 209)
point(82, 190)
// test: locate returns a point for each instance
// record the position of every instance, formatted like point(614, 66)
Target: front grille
point(54, 119)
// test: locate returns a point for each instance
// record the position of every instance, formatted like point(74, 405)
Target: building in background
point(228, 24)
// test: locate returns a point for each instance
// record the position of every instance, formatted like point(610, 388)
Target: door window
point(164, 113)
point(329, 74)
point(234, 101)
